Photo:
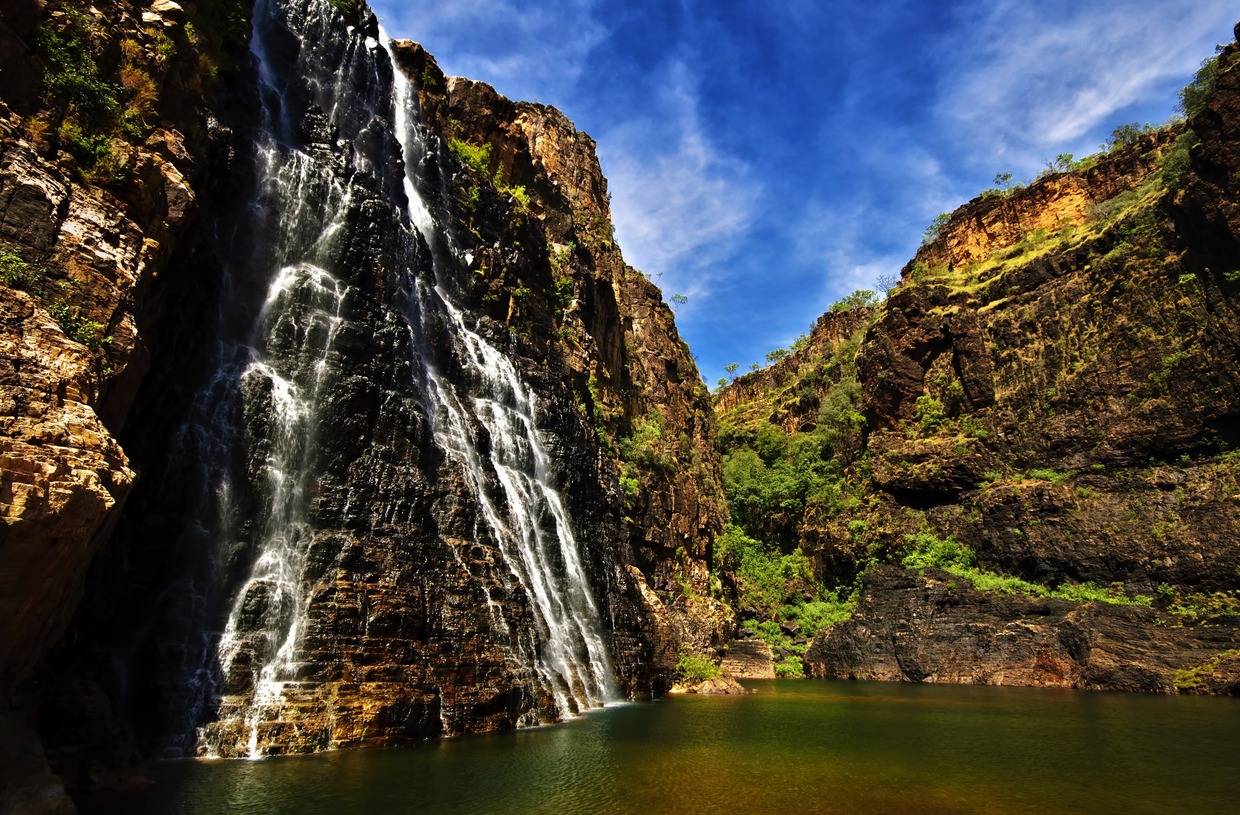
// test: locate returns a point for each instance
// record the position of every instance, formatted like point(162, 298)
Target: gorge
point(334, 418)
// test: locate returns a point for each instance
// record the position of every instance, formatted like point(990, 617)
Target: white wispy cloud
point(536, 51)
point(872, 228)
point(679, 203)
point(1023, 81)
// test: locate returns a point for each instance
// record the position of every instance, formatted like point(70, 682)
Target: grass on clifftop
point(1168, 177)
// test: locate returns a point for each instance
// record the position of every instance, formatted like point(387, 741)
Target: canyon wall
point(1050, 395)
point(387, 343)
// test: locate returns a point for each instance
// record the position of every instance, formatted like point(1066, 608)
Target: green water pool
point(794, 746)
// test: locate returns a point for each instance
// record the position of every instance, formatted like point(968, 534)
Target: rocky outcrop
point(1065, 397)
point(789, 392)
point(1053, 387)
point(936, 627)
point(749, 659)
point(716, 686)
point(104, 152)
point(1004, 218)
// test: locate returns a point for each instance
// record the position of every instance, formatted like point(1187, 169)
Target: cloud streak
point(680, 205)
point(1026, 81)
point(767, 159)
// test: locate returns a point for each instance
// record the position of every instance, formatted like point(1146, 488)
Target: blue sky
point(767, 158)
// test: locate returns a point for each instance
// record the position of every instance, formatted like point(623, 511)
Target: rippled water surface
point(792, 747)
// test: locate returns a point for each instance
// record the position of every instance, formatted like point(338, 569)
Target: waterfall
point(281, 373)
point(573, 658)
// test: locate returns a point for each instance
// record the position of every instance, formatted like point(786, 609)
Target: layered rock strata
point(571, 294)
point(105, 147)
point(936, 627)
point(132, 269)
point(1050, 390)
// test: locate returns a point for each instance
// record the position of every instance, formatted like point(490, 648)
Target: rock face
point(189, 394)
point(780, 392)
point(749, 659)
point(716, 686)
point(936, 627)
point(606, 321)
point(98, 203)
point(1053, 387)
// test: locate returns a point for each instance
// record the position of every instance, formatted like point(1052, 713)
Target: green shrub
point(629, 485)
point(935, 228)
point(1092, 593)
point(80, 328)
point(929, 413)
point(15, 272)
point(477, 156)
point(1113, 206)
point(692, 669)
point(929, 551)
point(643, 447)
point(521, 196)
point(71, 77)
point(861, 298)
point(562, 289)
point(1177, 161)
point(1194, 95)
point(1128, 135)
point(1046, 474)
point(940, 553)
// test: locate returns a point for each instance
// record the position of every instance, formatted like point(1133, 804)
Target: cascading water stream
point(280, 373)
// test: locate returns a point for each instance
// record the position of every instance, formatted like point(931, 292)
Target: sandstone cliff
point(570, 293)
point(105, 148)
point(138, 459)
point(1050, 396)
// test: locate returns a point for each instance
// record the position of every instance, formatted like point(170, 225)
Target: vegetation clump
point(927, 550)
point(935, 228)
point(1193, 96)
point(478, 158)
point(15, 271)
point(778, 483)
point(1195, 677)
point(780, 596)
point(694, 669)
